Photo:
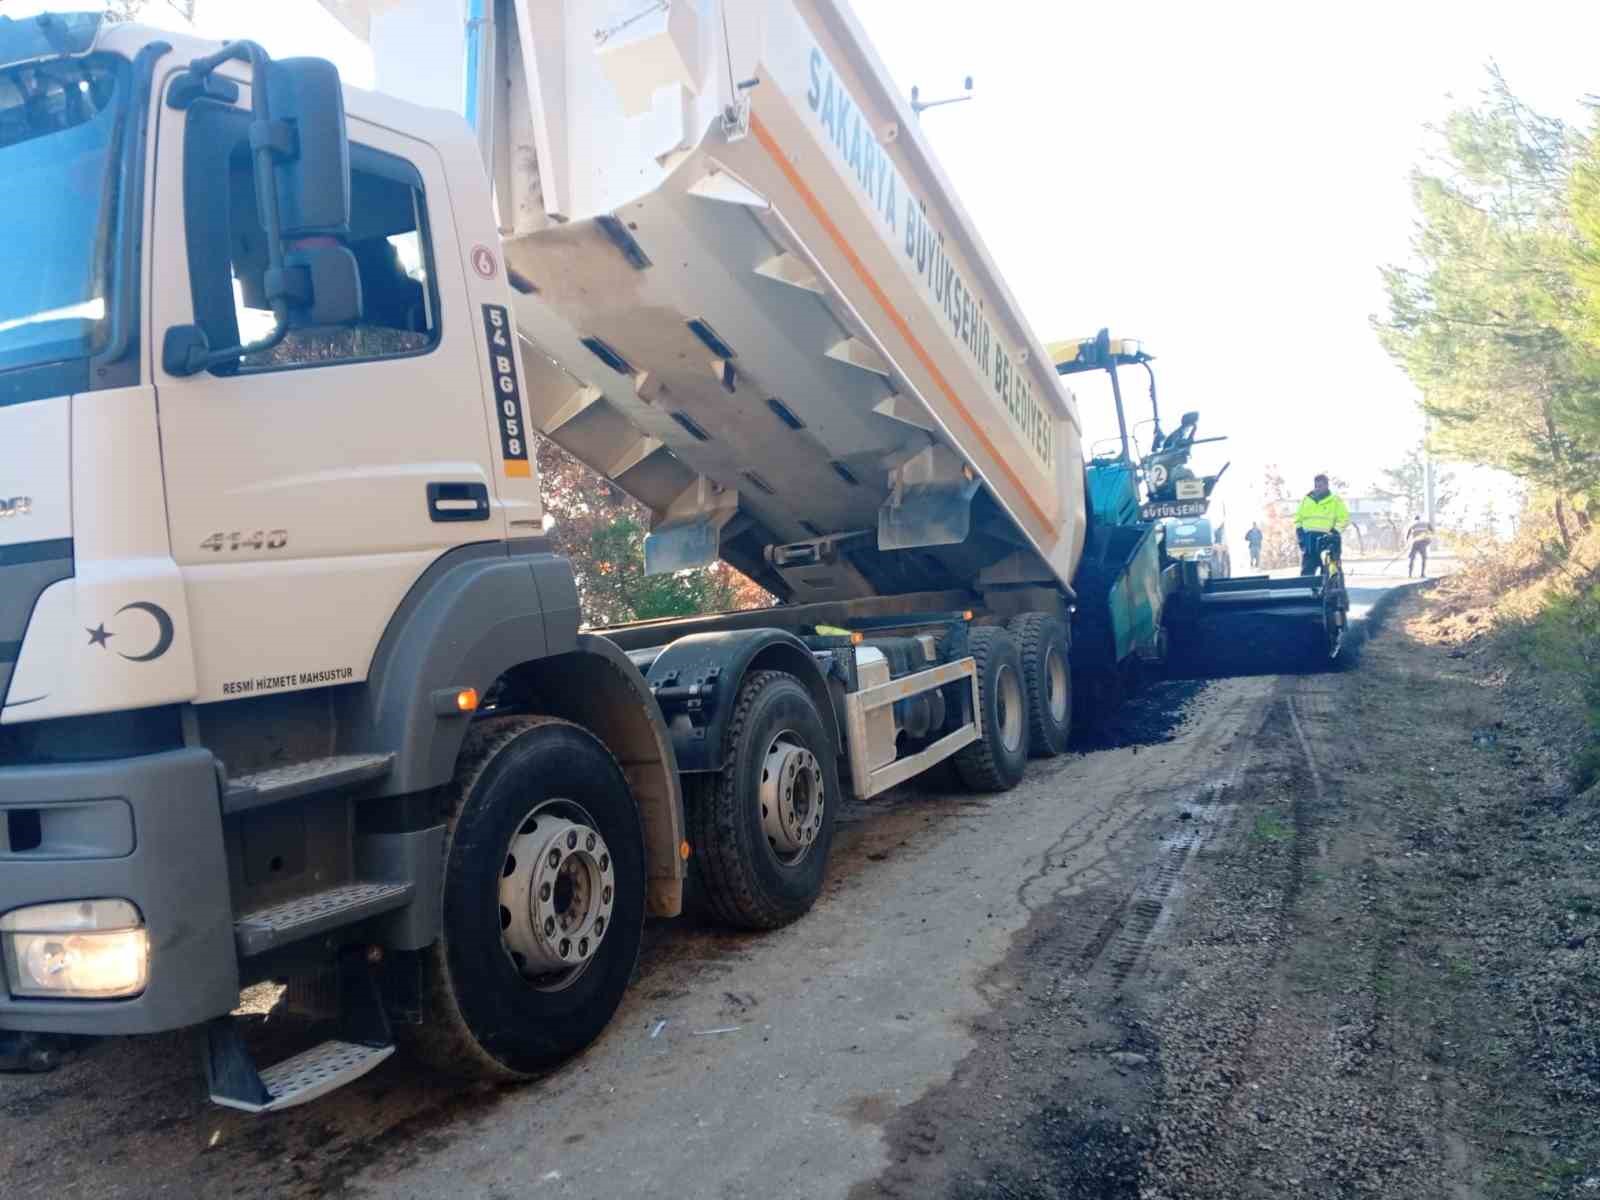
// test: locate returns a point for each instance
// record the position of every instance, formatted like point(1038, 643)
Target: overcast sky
point(1220, 179)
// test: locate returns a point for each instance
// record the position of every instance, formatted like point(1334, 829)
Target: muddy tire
point(501, 1002)
point(761, 827)
point(34, 1053)
point(996, 762)
point(1046, 682)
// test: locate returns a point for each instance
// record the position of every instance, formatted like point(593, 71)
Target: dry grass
point(1479, 867)
point(1530, 614)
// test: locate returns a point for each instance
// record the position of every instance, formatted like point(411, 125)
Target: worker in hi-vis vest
point(1321, 514)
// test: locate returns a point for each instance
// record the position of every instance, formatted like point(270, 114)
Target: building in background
point(1377, 522)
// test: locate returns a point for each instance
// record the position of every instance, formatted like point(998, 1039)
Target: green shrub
point(1564, 638)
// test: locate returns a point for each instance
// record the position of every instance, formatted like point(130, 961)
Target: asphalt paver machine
point(1138, 490)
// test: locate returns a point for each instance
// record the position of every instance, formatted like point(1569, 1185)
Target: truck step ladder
point(274, 785)
point(306, 916)
point(308, 1075)
point(364, 1040)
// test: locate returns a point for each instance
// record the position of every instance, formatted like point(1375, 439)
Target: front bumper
point(145, 829)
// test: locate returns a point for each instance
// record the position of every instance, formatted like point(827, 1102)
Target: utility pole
point(1427, 472)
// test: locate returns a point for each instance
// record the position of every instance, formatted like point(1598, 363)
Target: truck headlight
point(77, 949)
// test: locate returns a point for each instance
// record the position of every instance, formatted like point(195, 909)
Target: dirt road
point(1126, 978)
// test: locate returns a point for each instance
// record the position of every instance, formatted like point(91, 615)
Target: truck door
point(309, 486)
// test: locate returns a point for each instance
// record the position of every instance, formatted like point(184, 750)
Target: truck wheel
point(761, 827)
point(544, 882)
point(1047, 681)
point(996, 762)
point(33, 1053)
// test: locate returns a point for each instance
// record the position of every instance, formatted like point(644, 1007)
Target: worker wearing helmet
point(1321, 513)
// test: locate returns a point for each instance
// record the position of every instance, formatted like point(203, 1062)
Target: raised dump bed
point(751, 298)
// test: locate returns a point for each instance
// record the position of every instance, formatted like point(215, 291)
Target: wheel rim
point(1056, 685)
point(1008, 707)
point(557, 890)
point(792, 798)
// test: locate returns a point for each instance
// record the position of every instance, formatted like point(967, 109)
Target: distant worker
point(1418, 538)
point(1321, 513)
point(1252, 538)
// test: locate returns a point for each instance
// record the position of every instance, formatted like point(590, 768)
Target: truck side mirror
point(321, 280)
point(324, 282)
point(313, 177)
point(301, 150)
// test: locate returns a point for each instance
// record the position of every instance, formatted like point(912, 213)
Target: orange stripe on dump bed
point(770, 144)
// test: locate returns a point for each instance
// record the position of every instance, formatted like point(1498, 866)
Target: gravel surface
point(1379, 976)
point(1325, 935)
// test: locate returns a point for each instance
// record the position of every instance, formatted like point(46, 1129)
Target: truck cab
point(272, 530)
point(212, 527)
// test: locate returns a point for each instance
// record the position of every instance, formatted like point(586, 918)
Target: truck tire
point(1046, 680)
point(996, 762)
point(543, 905)
point(761, 827)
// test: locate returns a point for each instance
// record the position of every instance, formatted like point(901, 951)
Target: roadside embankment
point(1389, 982)
point(1371, 967)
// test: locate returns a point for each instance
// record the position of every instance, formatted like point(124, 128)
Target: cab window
point(228, 253)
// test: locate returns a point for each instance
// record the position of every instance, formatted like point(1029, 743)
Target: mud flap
point(690, 533)
point(929, 504)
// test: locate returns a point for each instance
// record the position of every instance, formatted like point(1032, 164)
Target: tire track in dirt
point(1055, 1100)
point(1298, 776)
point(1284, 1076)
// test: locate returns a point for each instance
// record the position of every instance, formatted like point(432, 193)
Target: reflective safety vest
point(1321, 516)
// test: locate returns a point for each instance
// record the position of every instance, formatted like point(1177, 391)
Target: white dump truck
point(293, 686)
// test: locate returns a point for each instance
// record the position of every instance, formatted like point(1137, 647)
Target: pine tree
point(1489, 325)
point(1407, 481)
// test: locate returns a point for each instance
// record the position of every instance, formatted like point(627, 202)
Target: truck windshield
point(60, 125)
